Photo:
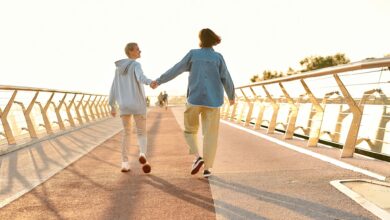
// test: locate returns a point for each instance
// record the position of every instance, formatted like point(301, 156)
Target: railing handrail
point(24, 88)
point(365, 64)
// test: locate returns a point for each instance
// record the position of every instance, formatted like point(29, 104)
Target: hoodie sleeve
point(111, 97)
point(139, 73)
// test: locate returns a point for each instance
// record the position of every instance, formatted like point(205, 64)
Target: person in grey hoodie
point(127, 91)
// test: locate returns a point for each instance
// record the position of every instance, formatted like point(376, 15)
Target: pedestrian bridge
point(308, 146)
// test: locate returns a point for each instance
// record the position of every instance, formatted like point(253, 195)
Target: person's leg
point(140, 122)
point(191, 126)
point(126, 122)
point(210, 127)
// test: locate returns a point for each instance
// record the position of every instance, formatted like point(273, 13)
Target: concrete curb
point(361, 200)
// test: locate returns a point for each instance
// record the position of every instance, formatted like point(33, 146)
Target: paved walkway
point(253, 179)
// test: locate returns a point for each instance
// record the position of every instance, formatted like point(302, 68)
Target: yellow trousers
point(210, 126)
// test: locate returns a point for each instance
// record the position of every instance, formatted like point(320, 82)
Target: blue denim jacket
point(208, 77)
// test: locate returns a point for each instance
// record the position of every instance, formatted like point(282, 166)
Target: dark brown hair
point(208, 38)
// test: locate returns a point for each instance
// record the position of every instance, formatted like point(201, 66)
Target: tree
point(291, 71)
point(255, 78)
point(268, 74)
point(309, 63)
point(319, 62)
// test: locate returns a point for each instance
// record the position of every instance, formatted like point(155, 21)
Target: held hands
point(154, 84)
point(231, 102)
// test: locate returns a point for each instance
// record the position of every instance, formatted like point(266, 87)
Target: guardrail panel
point(33, 113)
point(346, 104)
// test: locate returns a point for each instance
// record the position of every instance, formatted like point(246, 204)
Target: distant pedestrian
point(165, 99)
point(208, 79)
point(160, 99)
point(147, 101)
point(128, 92)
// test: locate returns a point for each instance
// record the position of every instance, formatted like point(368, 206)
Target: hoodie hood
point(123, 65)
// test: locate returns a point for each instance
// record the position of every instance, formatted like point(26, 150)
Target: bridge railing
point(29, 114)
point(347, 105)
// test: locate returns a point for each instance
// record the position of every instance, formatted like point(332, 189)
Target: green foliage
point(319, 62)
point(291, 71)
point(255, 78)
point(309, 63)
point(267, 74)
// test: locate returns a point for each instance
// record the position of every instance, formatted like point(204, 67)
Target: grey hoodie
point(127, 88)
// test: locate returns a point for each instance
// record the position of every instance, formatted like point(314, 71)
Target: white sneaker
point(206, 173)
point(125, 167)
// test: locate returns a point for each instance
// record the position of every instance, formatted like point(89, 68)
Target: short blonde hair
point(129, 47)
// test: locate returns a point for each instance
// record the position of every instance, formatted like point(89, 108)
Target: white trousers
point(140, 124)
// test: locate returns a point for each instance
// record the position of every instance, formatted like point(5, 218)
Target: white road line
point(310, 153)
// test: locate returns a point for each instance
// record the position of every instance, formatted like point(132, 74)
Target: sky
point(73, 44)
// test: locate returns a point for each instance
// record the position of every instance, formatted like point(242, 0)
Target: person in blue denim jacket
point(207, 81)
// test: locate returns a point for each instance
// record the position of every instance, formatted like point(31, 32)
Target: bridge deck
point(253, 178)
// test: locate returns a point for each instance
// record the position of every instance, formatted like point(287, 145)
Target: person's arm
point(139, 73)
point(179, 68)
point(227, 81)
point(111, 99)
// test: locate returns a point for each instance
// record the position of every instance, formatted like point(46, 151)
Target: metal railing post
point(234, 109)
point(316, 120)
point(98, 115)
point(107, 108)
point(45, 118)
point(68, 113)
point(275, 107)
point(102, 112)
point(77, 108)
point(226, 110)
point(26, 112)
point(259, 118)
point(222, 108)
point(3, 115)
point(292, 118)
point(85, 109)
point(238, 119)
point(250, 110)
point(349, 146)
point(256, 98)
point(58, 114)
point(91, 108)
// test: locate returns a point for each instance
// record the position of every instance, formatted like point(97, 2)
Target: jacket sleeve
point(226, 80)
point(182, 66)
point(139, 73)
